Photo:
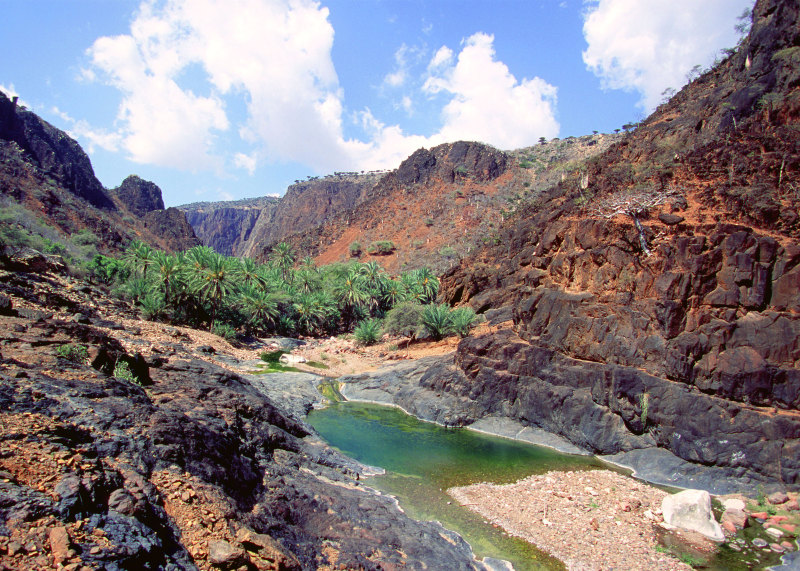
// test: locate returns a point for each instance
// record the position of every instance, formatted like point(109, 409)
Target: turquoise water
point(422, 460)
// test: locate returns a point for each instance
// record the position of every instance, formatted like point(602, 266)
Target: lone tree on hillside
point(635, 203)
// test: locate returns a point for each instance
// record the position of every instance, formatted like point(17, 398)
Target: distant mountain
point(47, 175)
point(437, 206)
point(227, 226)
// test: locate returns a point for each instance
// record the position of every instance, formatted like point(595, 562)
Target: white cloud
point(443, 56)
point(246, 162)
point(650, 46)
point(80, 129)
point(186, 62)
point(398, 77)
point(488, 103)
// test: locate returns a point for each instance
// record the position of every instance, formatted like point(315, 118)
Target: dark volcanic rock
point(53, 150)
point(139, 196)
point(119, 464)
point(172, 226)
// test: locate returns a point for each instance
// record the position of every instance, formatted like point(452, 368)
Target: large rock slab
point(691, 510)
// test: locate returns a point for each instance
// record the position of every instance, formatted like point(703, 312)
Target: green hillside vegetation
point(232, 296)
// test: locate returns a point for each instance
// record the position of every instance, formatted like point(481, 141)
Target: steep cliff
point(46, 175)
point(694, 348)
point(52, 151)
point(442, 203)
point(306, 205)
point(226, 226)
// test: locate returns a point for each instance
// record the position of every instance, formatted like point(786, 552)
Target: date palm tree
point(215, 280)
point(283, 256)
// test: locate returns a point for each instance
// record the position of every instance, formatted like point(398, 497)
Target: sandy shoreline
point(590, 520)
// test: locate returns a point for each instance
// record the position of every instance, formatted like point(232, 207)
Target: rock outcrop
point(53, 151)
point(695, 348)
point(46, 172)
point(172, 462)
point(139, 196)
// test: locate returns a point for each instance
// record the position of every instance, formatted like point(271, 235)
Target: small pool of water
point(423, 459)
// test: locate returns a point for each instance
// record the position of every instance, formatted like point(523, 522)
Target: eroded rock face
point(106, 472)
point(171, 226)
point(226, 226)
point(139, 196)
point(54, 151)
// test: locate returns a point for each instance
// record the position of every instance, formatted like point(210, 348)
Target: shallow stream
point(423, 459)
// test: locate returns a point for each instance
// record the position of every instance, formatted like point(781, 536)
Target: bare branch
point(635, 203)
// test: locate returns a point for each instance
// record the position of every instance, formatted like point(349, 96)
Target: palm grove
point(229, 295)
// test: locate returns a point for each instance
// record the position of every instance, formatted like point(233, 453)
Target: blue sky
point(226, 99)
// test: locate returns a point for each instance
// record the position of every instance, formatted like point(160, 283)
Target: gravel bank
point(592, 520)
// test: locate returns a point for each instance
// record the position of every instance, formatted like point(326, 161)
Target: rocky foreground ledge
point(181, 464)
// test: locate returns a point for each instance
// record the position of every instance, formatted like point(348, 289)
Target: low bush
point(381, 248)
point(462, 320)
point(368, 332)
point(436, 320)
point(72, 352)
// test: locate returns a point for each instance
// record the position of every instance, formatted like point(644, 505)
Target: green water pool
point(423, 459)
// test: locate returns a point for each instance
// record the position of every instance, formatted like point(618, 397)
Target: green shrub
point(404, 320)
point(436, 320)
point(74, 353)
point(448, 252)
point(107, 270)
point(368, 332)
point(381, 248)
point(123, 371)
point(85, 238)
point(153, 306)
point(225, 331)
point(462, 319)
point(355, 249)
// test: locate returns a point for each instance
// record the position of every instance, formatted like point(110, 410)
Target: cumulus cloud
point(487, 102)
point(246, 162)
point(186, 62)
point(94, 138)
point(650, 46)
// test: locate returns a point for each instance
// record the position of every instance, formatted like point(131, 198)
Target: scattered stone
point(208, 349)
point(59, 543)
point(729, 527)
point(733, 504)
point(787, 545)
point(758, 542)
point(737, 518)
point(792, 506)
point(290, 359)
point(670, 219)
point(777, 548)
point(774, 532)
point(224, 555)
point(777, 498)
point(5, 305)
point(120, 500)
point(759, 515)
point(691, 510)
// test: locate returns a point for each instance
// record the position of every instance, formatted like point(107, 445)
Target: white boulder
point(290, 359)
point(691, 509)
